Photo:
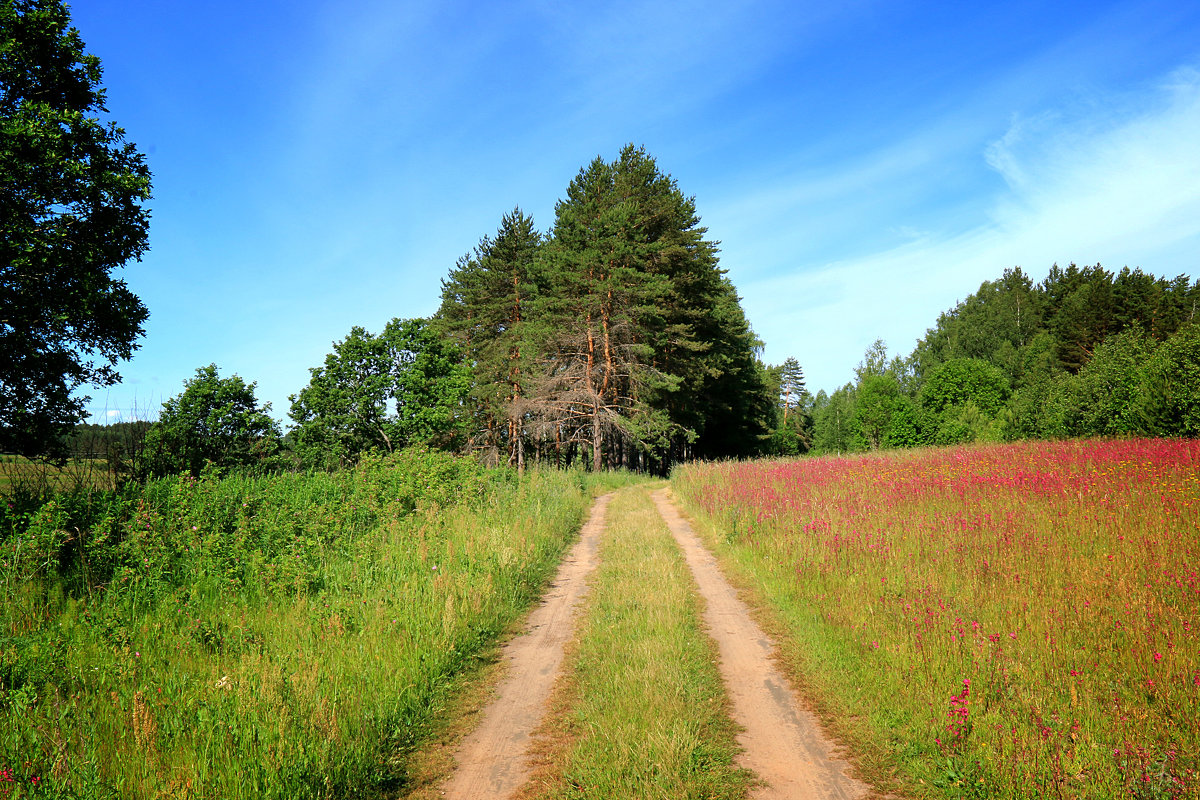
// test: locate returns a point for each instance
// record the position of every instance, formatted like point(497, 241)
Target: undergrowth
point(289, 636)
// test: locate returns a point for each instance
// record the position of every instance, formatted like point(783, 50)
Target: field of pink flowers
point(999, 621)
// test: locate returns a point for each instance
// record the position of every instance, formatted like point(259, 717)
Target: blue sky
point(865, 165)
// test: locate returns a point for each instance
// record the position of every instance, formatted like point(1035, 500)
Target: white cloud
point(1127, 192)
point(1117, 185)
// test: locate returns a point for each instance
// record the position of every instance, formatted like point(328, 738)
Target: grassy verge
point(644, 713)
point(287, 637)
point(1008, 621)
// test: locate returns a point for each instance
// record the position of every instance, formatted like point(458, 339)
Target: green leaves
point(1172, 385)
point(965, 380)
point(343, 410)
point(405, 386)
point(72, 212)
point(215, 420)
point(1106, 395)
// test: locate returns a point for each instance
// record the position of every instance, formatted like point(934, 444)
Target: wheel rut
point(782, 743)
point(492, 761)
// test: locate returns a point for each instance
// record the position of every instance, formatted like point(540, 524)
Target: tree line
point(1084, 352)
point(615, 340)
point(612, 339)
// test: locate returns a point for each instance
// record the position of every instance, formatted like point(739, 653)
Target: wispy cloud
point(1117, 185)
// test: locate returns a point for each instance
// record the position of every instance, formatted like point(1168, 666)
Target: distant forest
point(1085, 352)
point(616, 340)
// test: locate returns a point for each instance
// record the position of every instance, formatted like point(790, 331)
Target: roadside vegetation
point(998, 621)
point(645, 713)
point(272, 636)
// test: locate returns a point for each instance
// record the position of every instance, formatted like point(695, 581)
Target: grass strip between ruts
point(642, 712)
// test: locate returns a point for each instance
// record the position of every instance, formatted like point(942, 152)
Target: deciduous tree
point(215, 420)
point(72, 194)
point(1107, 397)
point(1172, 385)
point(405, 386)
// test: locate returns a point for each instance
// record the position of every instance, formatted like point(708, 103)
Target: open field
point(22, 474)
point(287, 637)
point(1005, 621)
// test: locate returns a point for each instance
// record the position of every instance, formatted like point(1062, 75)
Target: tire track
point(782, 742)
point(492, 760)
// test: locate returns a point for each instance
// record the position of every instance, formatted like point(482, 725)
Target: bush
point(1171, 388)
point(213, 420)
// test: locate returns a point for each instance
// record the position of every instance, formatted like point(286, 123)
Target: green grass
point(291, 636)
point(1005, 621)
point(647, 711)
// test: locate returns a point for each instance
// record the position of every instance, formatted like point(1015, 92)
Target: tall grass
point(289, 636)
point(1007, 621)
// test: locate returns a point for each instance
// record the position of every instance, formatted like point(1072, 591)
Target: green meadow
point(290, 636)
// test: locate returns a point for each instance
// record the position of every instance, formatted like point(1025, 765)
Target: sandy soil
point(492, 761)
point(782, 743)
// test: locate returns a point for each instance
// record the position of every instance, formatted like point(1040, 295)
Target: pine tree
point(617, 334)
point(602, 304)
point(791, 385)
point(485, 309)
point(652, 359)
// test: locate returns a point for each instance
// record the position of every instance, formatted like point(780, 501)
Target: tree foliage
point(72, 194)
point(1171, 388)
point(402, 387)
point(965, 380)
point(835, 422)
point(487, 310)
point(877, 402)
point(1085, 352)
point(213, 420)
point(616, 337)
point(791, 386)
point(1106, 395)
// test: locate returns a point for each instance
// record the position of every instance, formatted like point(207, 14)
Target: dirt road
point(492, 761)
point(782, 743)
